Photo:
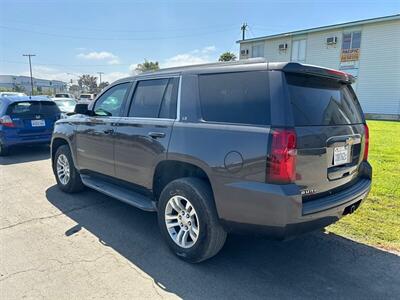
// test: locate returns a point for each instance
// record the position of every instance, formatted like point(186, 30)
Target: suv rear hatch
point(330, 130)
point(33, 118)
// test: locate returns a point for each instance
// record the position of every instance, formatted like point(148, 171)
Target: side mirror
point(81, 108)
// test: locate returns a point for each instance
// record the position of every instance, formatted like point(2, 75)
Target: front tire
point(188, 220)
point(67, 176)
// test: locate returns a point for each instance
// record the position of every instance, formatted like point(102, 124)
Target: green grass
point(377, 222)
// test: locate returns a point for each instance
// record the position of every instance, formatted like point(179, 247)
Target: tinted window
point(155, 99)
point(110, 103)
point(168, 105)
point(318, 101)
point(235, 97)
point(33, 107)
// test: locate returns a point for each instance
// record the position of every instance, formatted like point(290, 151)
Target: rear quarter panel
point(227, 153)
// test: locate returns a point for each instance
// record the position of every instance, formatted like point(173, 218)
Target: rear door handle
point(108, 131)
point(156, 135)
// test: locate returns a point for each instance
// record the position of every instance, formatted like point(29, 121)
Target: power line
point(116, 38)
point(119, 30)
point(64, 65)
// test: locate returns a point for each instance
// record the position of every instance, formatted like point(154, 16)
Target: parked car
point(11, 94)
point(45, 96)
point(26, 120)
point(273, 148)
point(87, 97)
point(63, 95)
point(66, 106)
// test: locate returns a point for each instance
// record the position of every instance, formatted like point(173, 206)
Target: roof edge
point(321, 28)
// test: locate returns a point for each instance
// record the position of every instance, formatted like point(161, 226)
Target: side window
point(155, 99)
point(169, 103)
point(110, 103)
point(241, 98)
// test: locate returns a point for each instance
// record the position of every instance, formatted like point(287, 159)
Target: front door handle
point(108, 131)
point(156, 135)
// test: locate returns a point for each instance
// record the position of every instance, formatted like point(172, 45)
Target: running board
point(118, 192)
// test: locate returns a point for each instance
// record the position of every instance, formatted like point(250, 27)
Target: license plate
point(341, 155)
point(38, 123)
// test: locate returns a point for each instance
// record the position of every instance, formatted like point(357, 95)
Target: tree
point(147, 66)
point(227, 56)
point(74, 90)
point(102, 86)
point(19, 88)
point(88, 83)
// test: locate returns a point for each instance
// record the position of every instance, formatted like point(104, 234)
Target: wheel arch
point(169, 170)
point(57, 142)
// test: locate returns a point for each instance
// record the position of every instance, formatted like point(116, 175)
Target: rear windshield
point(241, 98)
point(33, 107)
point(320, 101)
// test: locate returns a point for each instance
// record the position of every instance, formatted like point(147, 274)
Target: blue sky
point(75, 37)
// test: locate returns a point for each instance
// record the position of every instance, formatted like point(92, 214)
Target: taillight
point(366, 138)
point(281, 165)
point(6, 121)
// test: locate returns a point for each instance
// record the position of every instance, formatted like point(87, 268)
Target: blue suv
point(26, 120)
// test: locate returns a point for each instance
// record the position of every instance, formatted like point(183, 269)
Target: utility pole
point(100, 73)
point(30, 69)
point(243, 29)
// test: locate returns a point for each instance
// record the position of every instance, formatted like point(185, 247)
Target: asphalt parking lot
point(87, 245)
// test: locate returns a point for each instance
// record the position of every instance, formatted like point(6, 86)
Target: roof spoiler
point(318, 71)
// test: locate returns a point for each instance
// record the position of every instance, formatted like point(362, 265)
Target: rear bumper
point(21, 140)
point(278, 210)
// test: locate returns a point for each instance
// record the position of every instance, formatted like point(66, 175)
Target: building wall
point(319, 53)
point(9, 81)
point(379, 75)
point(377, 70)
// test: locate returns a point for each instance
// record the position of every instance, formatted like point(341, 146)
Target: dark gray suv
point(272, 148)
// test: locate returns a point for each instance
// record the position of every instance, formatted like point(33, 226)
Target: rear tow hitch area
point(351, 208)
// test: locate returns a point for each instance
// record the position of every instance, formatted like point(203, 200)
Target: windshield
point(66, 105)
point(321, 101)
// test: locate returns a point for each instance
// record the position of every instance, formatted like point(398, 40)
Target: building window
point(351, 47)
point(299, 50)
point(257, 50)
point(351, 40)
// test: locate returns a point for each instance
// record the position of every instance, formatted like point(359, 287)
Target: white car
point(87, 97)
point(63, 95)
point(66, 106)
point(12, 94)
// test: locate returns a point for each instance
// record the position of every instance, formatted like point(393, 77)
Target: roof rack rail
point(215, 64)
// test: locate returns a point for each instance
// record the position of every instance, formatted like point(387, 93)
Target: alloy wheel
point(182, 221)
point(63, 169)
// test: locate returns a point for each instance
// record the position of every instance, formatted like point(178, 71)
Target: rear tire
point(4, 150)
point(67, 176)
point(188, 204)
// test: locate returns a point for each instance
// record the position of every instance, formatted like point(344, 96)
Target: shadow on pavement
point(317, 265)
point(23, 154)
